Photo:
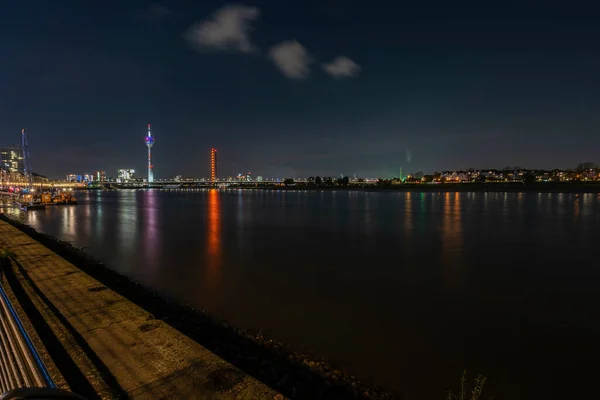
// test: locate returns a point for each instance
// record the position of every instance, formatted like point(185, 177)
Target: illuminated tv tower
point(149, 142)
point(213, 164)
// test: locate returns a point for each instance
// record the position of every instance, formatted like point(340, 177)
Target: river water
point(404, 289)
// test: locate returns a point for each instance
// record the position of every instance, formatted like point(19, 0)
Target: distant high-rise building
point(213, 164)
point(150, 142)
point(124, 175)
point(100, 175)
point(12, 160)
point(71, 178)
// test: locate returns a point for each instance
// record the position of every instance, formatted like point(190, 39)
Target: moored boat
point(30, 206)
point(60, 198)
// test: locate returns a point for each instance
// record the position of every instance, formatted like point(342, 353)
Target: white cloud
point(157, 11)
point(342, 67)
point(291, 58)
point(228, 28)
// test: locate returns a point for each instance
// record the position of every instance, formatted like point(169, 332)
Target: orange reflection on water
point(452, 241)
point(408, 214)
point(214, 250)
point(68, 222)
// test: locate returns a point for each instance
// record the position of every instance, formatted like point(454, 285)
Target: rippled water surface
point(405, 289)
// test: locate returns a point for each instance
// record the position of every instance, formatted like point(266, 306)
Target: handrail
point(40, 394)
point(20, 363)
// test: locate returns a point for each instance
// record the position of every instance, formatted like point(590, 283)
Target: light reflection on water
point(98, 220)
point(452, 242)
point(404, 288)
point(151, 231)
point(214, 251)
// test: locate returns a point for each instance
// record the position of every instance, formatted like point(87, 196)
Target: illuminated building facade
point(12, 162)
point(213, 164)
point(125, 175)
point(100, 175)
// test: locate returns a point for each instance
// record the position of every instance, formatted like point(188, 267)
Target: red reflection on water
point(214, 238)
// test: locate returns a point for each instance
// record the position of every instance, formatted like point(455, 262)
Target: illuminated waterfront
point(405, 289)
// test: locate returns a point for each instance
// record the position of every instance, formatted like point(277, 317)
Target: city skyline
point(360, 92)
point(212, 168)
point(14, 161)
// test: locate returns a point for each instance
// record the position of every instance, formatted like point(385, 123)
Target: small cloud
point(342, 67)
point(155, 12)
point(291, 58)
point(228, 28)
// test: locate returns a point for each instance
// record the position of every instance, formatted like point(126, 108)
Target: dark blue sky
point(444, 84)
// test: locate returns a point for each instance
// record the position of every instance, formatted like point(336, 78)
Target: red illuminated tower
point(213, 165)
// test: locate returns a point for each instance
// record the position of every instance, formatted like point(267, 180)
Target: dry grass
point(465, 394)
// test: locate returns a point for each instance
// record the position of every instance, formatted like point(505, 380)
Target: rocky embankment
point(296, 375)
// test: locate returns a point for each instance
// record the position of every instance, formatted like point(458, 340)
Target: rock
point(278, 396)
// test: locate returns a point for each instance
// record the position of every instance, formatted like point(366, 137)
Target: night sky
point(299, 88)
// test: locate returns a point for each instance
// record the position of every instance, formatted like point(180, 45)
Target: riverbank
point(446, 187)
point(490, 187)
point(295, 375)
point(104, 345)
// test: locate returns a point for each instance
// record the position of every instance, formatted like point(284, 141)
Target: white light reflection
point(151, 244)
point(127, 210)
point(99, 225)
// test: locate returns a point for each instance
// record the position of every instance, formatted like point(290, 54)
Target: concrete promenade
point(120, 349)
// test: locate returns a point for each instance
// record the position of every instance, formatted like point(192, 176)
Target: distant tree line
point(326, 181)
point(527, 176)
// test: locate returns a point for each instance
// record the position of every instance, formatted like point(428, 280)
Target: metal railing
point(20, 363)
point(40, 394)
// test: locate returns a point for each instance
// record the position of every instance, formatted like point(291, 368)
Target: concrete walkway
point(148, 358)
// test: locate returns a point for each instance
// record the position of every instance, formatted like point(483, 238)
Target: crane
point(26, 161)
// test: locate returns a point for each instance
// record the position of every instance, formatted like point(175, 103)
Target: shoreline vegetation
point(296, 375)
point(447, 187)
